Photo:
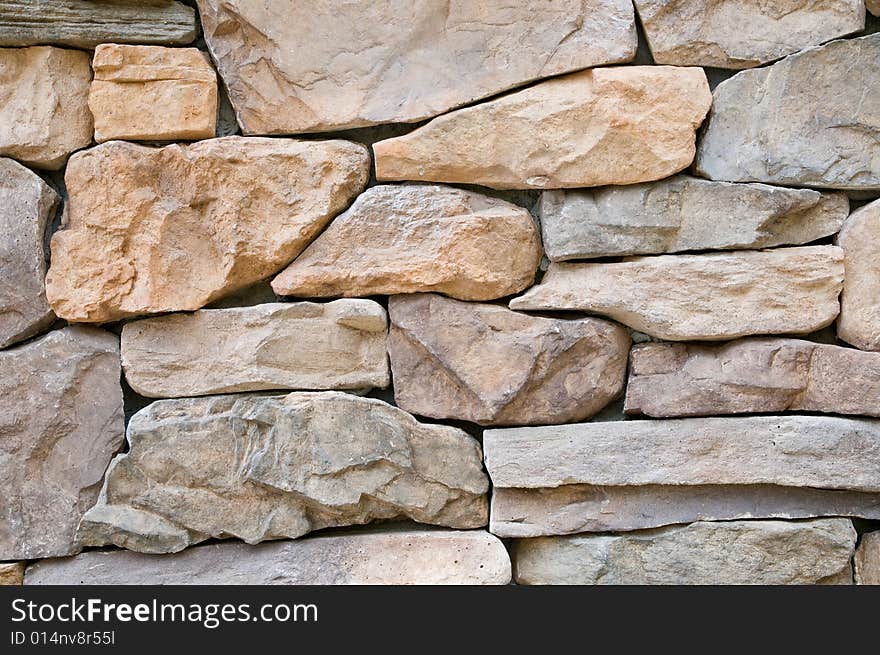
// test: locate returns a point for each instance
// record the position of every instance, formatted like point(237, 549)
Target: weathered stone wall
point(432, 292)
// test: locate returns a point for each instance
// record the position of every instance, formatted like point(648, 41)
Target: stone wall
point(440, 292)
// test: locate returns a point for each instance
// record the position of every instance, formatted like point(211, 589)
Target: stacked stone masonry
point(439, 293)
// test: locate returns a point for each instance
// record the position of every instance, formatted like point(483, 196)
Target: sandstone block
point(11, 573)
point(604, 126)
point(867, 559)
point(153, 230)
point(415, 238)
point(859, 322)
point(702, 297)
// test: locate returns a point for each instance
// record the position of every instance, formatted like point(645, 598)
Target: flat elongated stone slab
point(143, 92)
point(415, 238)
point(44, 111)
point(11, 573)
point(27, 206)
point(61, 421)
point(337, 345)
point(604, 126)
point(576, 508)
point(684, 213)
point(797, 123)
point(86, 23)
point(492, 366)
point(867, 559)
point(381, 557)
point(262, 467)
point(739, 552)
point(343, 65)
point(791, 451)
point(152, 230)
point(751, 375)
point(742, 33)
point(702, 297)
point(859, 322)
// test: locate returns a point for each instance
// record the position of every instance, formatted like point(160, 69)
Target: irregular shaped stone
point(61, 421)
point(797, 122)
point(702, 297)
point(414, 238)
point(605, 126)
point(751, 375)
point(143, 92)
point(867, 559)
point(738, 552)
point(684, 213)
point(44, 111)
point(262, 467)
point(343, 65)
point(859, 322)
point(85, 24)
point(492, 366)
point(152, 230)
point(823, 452)
point(27, 205)
point(575, 508)
point(338, 345)
point(11, 573)
point(380, 557)
point(742, 33)
point(873, 6)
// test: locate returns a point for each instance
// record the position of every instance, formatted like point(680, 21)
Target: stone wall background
point(629, 503)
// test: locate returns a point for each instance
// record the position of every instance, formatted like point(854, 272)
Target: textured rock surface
point(60, 421)
point(751, 375)
point(11, 573)
point(859, 322)
point(27, 205)
point(492, 366)
point(166, 229)
point(341, 65)
point(684, 213)
point(740, 552)
point(791, 451)
point(873, 6)
point(413, 238)
point(742, 33)
point(338, 345)
point(401, 557)
point(710, 297)
point(86, 24)
point(575, 508)
point(797, 122)
point(44, 112)
point(604, 126)
point(867, 559)
point(152, 93)
point(261, 467)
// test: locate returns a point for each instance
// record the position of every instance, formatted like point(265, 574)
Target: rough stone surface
point(85, 24)
point(167, 229)
point(859, 322)
point(338, 345)
point(751, 375)
point(60, 421)
point(867, 559)
point(742, 33)
point(27, 205)
point(261, 467)
point(738, 552)
point(44, 112)
point(492, 366)
point(873, 6)
point(791, 451)
point(798, 121)
point(605, 126)
point(684, 213)
point(702, 297)
point(11, 573)
point(143, 92)
point(342, 65)
point(402, 557)
point(413, 238)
